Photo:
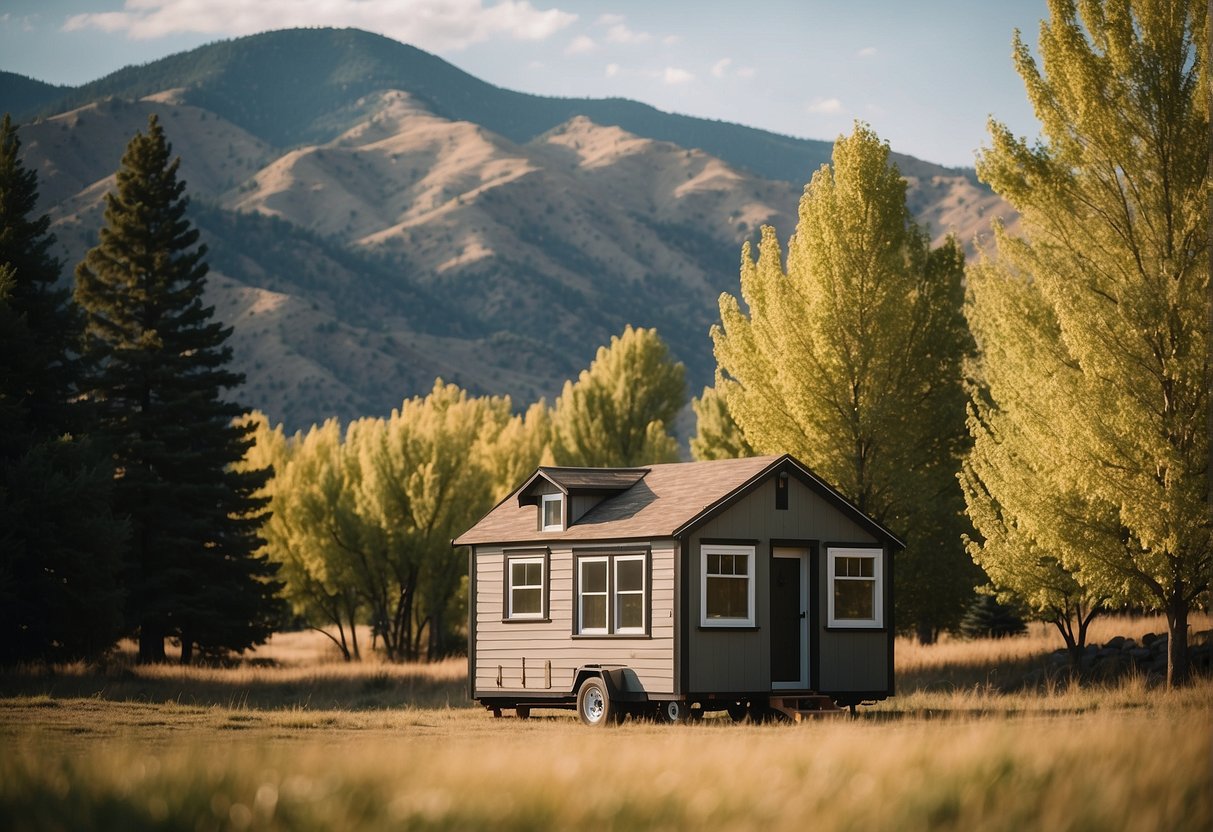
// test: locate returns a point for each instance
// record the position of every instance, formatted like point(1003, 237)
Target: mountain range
point(376, 217)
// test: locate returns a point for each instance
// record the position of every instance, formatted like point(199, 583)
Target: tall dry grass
point(463, 770)
point(310, 742)
point(1006, 665)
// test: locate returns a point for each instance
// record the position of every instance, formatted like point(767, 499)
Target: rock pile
point(1119, 655)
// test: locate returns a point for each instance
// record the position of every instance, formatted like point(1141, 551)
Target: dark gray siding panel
point(739, 661)
point(854, 661)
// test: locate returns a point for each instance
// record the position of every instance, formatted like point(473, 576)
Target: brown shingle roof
point(667, 497)
point(591, 479)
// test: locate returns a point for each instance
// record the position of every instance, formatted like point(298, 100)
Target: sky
point(925, 74)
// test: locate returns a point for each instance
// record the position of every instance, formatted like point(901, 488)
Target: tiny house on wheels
point(744, 585)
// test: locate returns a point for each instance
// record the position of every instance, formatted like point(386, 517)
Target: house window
point(727, 586)
point(592, 597)
point(551, 509)
point(525, 588)
point(629, 594)
point(612, 595)
point(856, 588)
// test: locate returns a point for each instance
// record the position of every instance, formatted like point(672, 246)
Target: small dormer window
point(552, 512)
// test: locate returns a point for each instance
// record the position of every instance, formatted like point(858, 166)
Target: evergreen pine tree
point(194, 568)
point(987, 617)
point(60, 543)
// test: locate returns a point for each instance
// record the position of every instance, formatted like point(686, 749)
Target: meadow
point(299, 740)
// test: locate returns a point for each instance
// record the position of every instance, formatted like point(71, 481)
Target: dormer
point(562, 496)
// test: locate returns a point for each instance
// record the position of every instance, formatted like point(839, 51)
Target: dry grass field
point(308, 742)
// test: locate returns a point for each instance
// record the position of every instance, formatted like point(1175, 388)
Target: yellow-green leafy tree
point(311, 524)
point(716, 433)
point(523, 444)
point(1029, 522)
point(620, 410)
point(1114, 198)
point(423, 481)
point(850, 359)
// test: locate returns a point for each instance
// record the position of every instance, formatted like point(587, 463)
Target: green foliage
point(362, 523)
point(1114, 200)
point(1031, 524)
point(850, 359)
point(619, 410)
point(716, 434)
point(60, 543)
point(987, 617)
point(192, 571)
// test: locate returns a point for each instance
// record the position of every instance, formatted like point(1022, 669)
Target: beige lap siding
point(506, 644)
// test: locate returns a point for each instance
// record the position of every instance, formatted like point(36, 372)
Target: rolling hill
point(377, 217)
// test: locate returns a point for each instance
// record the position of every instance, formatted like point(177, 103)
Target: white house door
point(789, 619)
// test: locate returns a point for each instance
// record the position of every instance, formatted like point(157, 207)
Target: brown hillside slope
point(412, 246)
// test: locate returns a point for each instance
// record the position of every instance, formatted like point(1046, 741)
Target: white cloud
point(580, 45)
point(866, 52)
point(724, 69)
point(618, 31)
point(430, 24)
point(612, 70)
point(672, 40)
point(825, 106)
point(674, 75)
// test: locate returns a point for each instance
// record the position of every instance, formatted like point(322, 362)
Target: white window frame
point(582, 629)
point(616, 592)
point(833, 553)
point(544, 499)
point(510, 560)
point(751, 561)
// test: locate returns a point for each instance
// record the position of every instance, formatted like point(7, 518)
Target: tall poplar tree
point(60, 543)
point(850, 359)
point(1115, 204)
point(193, 568)
point(716, 434)
point(1029, 521)
point(620, 410)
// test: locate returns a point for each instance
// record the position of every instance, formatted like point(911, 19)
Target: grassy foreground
point(272, 748)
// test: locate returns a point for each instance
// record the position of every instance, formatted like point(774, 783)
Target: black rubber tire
point(673, 711)
point(594, 705)
point(523, 711)
point(737, 711)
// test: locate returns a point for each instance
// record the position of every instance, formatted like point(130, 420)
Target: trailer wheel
point(523, 711)
point(673, 711)
point(737, 711)
point(594, 705)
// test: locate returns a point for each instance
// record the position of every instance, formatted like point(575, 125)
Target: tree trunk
point(187, 650)
point(926, 633)
point(1074, 647)
point(352, 615)
point(1177, 642)
point(151, 644)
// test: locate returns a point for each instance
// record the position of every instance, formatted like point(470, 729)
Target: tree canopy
point(1114, 198)
point(850, 359)
point(193, 572)
point(60, 542)
point(619, 412)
